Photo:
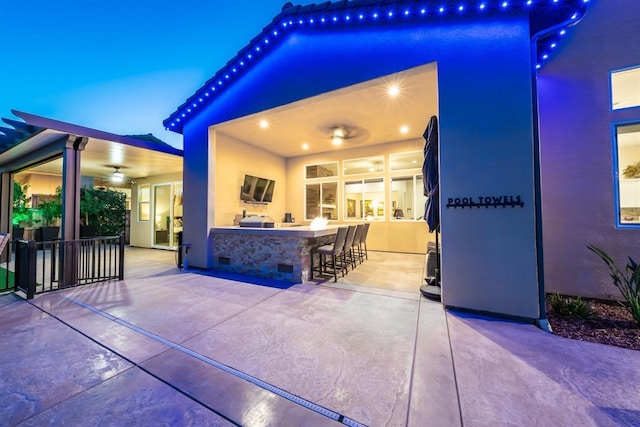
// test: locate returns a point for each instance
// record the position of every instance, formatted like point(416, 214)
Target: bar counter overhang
point(282, 253)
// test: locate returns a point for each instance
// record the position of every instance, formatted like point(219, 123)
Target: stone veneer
point(280, 255)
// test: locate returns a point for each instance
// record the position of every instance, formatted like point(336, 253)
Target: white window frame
point(142, 203)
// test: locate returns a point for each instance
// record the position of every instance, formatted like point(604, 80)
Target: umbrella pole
point(437, 259)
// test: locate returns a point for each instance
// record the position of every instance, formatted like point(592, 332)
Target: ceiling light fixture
point(394, 90)
point(264, 124)
point(117, 175)
point(404, 130)
point(338, 135)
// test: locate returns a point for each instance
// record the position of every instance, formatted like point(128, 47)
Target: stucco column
point(198, 193)
point(488, 200)
point(6, 198)
point(71, 187)
point(70, 207)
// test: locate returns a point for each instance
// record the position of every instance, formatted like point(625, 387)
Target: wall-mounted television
point(257, 190)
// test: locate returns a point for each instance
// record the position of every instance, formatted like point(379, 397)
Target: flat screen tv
point(257, 190)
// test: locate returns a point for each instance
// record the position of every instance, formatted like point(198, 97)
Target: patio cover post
point(70, 208)
point(6, 197)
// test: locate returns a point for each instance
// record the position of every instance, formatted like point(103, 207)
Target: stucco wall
point(234, 159)
point(485, 91)
point(41, 183)
point(486, 134)
point(577, 154)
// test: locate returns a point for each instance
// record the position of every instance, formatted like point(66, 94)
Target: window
point(364, 166)
point(625, 88)
point(364, 199)
point(321, 201)
point(628, 173)
point(321, 170)
point(144, 202)
point(405, 161)
point(407, 198)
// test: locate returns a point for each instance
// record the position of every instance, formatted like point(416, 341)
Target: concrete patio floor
point(166, 347)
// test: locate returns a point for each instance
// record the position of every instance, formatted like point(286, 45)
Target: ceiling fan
point(338, 134)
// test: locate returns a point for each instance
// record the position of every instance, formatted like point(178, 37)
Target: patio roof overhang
point(36, 139)
point(548, 20)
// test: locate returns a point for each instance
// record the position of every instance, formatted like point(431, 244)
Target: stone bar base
point(275, 253)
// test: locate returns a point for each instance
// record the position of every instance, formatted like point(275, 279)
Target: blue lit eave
point(556, 16)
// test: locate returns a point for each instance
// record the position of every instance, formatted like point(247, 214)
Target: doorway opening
point(167, 215)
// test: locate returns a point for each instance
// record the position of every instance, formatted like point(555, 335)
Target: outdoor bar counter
point(282, 253)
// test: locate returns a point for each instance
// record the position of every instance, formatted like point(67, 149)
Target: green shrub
point(103, 208)
point(21, 211)
point(628, 282)
point(570, 306)
point(51, 209)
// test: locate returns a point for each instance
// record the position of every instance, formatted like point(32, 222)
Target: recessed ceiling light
point(394, 90)
point(264, 124)
point(404, 129)
point(305, 146)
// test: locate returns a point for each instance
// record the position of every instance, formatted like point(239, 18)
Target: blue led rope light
point(323, 18)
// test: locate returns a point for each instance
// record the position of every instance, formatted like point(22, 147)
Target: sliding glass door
point(167, 215)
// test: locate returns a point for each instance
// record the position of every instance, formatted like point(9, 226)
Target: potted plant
point(632, 171)
point(22, 215)
point(51, 211)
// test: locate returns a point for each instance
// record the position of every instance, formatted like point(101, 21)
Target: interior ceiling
point(367, 110)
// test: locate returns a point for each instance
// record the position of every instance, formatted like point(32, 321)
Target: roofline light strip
point(366, 14)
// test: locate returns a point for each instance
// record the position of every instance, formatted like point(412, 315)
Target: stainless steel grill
point(256, 221)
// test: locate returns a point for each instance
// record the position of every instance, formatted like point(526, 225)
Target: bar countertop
point(303, 231)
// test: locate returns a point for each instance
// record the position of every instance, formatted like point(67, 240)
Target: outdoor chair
point(335, 251)
point(348, 255)
point(363, 242)
point(355, 246)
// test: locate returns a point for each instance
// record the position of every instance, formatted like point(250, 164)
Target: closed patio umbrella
point(430, 176)
point(431, 182)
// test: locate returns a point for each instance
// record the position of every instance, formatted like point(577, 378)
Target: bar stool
point(335, 251)
point(363, 242)
point(348, 247)
point(355, 246)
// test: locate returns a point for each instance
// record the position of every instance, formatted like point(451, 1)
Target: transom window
point(364, 166)
point(406, 161)
point(321, 170)
point(625, 88)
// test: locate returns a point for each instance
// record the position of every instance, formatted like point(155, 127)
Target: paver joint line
point(133, 363)
point(232, 371)
point(453, 365)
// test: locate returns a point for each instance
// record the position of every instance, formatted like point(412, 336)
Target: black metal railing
point(7, 280)
point(49, 266)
